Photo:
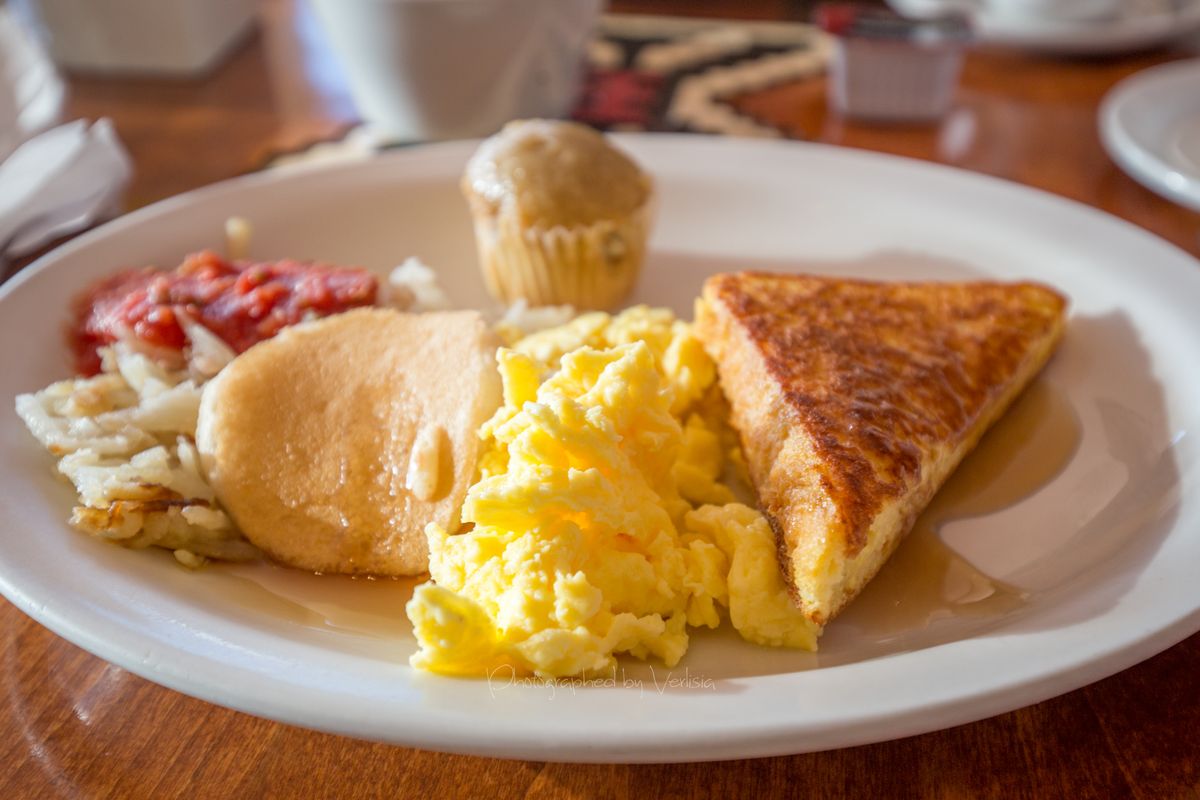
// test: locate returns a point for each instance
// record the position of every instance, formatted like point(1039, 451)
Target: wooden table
point(74, 726)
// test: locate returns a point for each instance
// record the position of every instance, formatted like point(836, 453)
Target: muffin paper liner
point(587, 266)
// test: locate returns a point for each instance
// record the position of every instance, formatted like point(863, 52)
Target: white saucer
point(1140, 24)
point(1150, 126)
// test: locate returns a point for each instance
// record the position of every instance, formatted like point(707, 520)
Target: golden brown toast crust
point(871, 386)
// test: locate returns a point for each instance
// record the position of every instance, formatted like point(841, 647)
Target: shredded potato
point(125, 439)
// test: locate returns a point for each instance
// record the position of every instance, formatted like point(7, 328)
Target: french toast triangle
point(855, 400)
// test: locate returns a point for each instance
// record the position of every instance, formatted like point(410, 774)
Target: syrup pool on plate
point(925, 581)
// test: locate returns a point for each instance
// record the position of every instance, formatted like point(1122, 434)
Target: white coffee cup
point(444, 69)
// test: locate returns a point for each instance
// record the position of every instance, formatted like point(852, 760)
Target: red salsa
point(241, 302)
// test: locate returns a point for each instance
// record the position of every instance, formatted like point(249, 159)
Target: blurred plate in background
point(1138, 25)
point(1150, 126)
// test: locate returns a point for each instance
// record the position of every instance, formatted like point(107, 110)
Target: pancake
point(335, 443)
point(855, 400)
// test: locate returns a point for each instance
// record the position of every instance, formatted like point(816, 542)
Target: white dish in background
point(1105, 550)
point(424, 71)
point(1138, 25)
point(1150, 126)
point(166, 37)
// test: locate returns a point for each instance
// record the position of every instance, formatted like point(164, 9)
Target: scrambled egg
point(584, 537)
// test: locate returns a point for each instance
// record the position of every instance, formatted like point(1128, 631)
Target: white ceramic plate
point(1105, 550)
point(1137, 25)
point(1150, 126)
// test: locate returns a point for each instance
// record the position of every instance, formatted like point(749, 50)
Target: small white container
point(888, 81)
point(444, 69)
point(889, 69)
point(171, 37)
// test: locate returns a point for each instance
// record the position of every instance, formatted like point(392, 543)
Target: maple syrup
point(925, 581)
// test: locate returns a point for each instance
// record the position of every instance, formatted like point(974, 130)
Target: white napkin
point(31, 92)
point(61, 181)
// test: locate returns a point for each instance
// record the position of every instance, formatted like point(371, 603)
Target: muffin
point(561, 216)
